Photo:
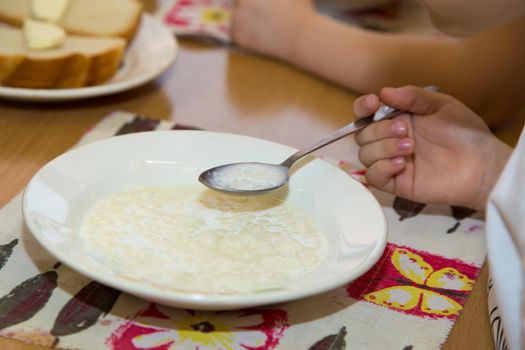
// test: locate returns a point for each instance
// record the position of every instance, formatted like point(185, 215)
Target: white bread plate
point(151, 52)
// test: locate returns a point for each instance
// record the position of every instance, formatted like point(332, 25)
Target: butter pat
point(43, 35)
point(49, 10)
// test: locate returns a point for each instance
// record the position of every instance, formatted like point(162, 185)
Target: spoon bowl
point(245, 178)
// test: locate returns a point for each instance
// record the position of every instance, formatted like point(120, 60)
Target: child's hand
point(270, 26)
point(441, 153)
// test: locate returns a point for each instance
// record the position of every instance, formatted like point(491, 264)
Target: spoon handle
point(384, 112)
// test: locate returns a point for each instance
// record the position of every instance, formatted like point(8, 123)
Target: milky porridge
point(193, 239)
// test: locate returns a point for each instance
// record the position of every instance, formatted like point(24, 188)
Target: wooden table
point(217, 89)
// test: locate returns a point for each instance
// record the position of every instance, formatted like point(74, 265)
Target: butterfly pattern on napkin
point(416, 283)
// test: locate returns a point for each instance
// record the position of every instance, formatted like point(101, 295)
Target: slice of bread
point(79, 61)
point(84, 17)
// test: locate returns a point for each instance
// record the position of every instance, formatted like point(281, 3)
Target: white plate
point(59, 195)
point(152, 51)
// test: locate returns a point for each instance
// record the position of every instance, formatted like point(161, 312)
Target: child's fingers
point(366, 105)
point(385, 149)
point(381, 174)
point(382, 130)
point(414, 99)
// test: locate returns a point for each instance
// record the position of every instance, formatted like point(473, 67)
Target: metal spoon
point(251, 178)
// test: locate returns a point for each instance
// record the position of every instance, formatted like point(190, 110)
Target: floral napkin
point(205, 19)
point(409, 300)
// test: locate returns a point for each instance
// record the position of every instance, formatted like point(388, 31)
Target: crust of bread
point(103, 66)
point(15, 22)
point(68, 71)
point(8, 64)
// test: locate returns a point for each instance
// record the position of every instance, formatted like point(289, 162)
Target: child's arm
point(483, 71)
point(442, 153)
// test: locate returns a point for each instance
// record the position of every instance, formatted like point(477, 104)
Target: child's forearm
point(365, 61)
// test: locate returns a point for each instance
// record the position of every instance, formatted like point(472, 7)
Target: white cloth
point(506, 251)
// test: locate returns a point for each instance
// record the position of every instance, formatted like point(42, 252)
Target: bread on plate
point(79, 61)
point(64, 43)
point(83, 17)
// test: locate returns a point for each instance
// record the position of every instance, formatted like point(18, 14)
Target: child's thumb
point(412, 99)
